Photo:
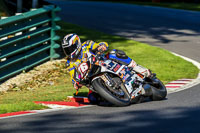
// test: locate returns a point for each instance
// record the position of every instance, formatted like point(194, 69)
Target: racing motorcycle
point(116, 82)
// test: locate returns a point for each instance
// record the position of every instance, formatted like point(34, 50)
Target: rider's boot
point(93, 97)
point(96, 99)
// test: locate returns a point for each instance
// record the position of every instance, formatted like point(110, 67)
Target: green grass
point(175, 5)
point(14, 101)
point(167, 66)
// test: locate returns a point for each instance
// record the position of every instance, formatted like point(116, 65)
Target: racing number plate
point(83, 68)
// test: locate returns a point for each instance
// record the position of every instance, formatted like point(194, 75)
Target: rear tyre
point(159, 91)
point(110, 96)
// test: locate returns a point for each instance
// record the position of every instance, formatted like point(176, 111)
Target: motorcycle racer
point(76, 54)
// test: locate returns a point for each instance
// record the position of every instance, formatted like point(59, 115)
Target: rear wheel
point(159, 91)
point(117, 96)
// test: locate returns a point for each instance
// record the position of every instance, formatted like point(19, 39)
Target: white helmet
point(71, 45)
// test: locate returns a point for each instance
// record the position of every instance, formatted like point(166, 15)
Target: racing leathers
point(117, 55)
point(73, 64)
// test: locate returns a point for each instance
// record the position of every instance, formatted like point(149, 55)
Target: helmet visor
point(69, 50)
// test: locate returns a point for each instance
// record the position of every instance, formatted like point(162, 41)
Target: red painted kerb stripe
point(79, 99)
point(176, 83)
point(16, 113)
point(75, 104)
point(172, 86)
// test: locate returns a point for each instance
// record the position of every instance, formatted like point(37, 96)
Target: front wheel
point(116, 96)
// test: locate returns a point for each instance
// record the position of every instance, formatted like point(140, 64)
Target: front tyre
point(114, 98)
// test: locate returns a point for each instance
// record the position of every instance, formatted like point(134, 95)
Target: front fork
point(108, 80)
point(132, 92)
point(114, 84)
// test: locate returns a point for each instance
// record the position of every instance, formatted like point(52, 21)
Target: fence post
point(34, 3)
point(54, 37)
point(19, 5)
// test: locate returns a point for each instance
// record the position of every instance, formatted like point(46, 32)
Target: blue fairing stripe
point(128, 60)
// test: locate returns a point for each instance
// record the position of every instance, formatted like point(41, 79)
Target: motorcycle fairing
point(122, 71)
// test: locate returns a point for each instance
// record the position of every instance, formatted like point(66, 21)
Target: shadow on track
point(175, 120)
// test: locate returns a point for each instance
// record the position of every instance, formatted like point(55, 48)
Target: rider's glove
point(67, 64)
point(102, 47)
point(77, 85)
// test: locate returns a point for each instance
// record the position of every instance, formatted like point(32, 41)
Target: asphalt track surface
point(174, 30)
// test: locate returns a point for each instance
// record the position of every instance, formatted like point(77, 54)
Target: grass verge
point(167, 66)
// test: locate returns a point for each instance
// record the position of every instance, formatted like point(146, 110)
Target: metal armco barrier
point(27, 40)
